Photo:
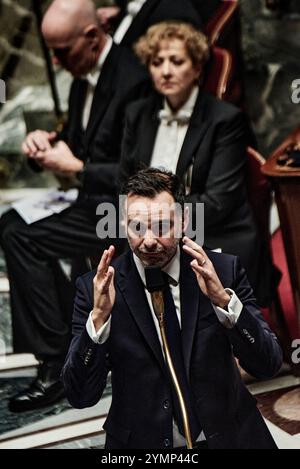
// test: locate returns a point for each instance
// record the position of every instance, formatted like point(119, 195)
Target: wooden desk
point(286, 183)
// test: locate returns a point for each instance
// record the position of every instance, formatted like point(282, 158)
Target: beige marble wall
point(271, 43)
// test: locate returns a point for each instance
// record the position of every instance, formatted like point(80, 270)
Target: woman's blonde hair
point(195, 42)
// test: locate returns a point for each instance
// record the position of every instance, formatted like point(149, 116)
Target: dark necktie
point(173, 334)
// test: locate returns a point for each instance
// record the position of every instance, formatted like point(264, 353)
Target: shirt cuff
point(229, 318)
point(100, 336)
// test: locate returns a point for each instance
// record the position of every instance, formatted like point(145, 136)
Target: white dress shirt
point(133, 9)
point(228, 319)
point(92, 79)
point(171, 134)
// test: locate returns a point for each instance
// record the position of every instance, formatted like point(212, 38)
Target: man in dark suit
point(115, 328)
point(141, 14)
point(89, 149)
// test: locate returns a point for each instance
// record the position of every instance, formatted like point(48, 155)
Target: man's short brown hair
point(150, 182)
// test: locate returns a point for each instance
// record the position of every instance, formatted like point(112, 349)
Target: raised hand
point(207, 277)
point(104, 289)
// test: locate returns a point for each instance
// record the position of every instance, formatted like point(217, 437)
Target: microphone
point(155, 284)
point(154, 279)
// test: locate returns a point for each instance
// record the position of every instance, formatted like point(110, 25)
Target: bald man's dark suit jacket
point(122, 80)
point(138, 416)
point(155, 11)
point(215, 144)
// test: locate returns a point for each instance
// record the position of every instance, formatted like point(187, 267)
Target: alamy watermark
point(295, 98)
point(296, 352)
point(162, 220)
point(2, 92)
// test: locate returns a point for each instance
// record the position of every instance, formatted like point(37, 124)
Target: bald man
point(106, 78)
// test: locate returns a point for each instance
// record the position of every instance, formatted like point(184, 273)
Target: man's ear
point(91, 32)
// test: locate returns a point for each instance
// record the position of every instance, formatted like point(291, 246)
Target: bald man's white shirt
point(92, 78)
point(133, 8)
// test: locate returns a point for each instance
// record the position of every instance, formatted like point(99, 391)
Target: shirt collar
point(172, 268)
point(188, 106)
point(93, 76)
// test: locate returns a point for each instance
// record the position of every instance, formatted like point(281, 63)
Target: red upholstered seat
point(218, 72)
point(285, 288)
point(221, 22)
point(224, 30)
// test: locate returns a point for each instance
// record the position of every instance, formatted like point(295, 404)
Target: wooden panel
point(286, 182)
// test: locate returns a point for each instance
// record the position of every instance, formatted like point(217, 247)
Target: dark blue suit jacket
point(138, 417)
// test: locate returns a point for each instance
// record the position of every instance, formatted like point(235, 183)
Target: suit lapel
point(196, 131)
point(103, 92)
point(140, 22)
point(133, 292)
point(189, 301)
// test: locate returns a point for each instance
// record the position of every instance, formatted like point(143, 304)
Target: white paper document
point(37, 207)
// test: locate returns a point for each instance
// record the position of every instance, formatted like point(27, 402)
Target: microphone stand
point(159, 309)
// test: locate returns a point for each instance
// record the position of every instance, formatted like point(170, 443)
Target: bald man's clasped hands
point(54, 156)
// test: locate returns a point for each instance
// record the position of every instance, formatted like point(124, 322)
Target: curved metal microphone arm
point(158, 306)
